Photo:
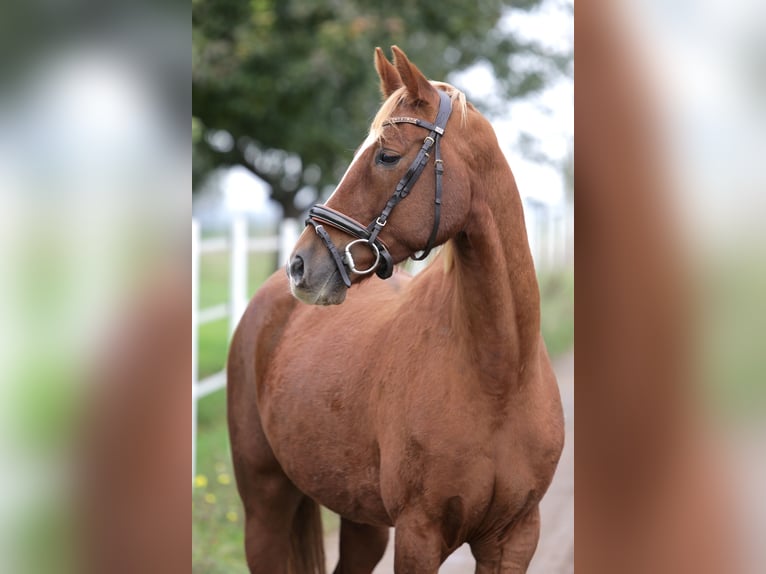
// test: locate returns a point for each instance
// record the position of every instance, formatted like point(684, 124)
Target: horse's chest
point(364, 446)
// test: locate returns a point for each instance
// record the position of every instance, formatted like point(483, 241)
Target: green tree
point(286, 88)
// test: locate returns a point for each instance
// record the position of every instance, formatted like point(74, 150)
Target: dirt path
point(555, 551)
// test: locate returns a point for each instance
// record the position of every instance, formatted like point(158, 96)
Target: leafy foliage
point(286, 88)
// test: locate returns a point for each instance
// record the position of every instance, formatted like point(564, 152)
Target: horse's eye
point(388, 158)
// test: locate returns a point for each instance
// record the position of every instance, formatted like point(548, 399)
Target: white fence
point(239, 245)
point(549, 230)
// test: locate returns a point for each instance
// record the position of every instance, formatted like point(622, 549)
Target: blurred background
point(283, 93)
point(670, 246)
point(95, 172)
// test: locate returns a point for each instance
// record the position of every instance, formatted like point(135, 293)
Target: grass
point(217, 527)
point(730, 335)
point(557, 310)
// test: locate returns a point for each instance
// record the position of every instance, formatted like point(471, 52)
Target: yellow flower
point(231, 516)
point(210, 498)
point(224, 478)
point(200, 481)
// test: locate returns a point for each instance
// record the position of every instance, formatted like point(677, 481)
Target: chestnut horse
point(428, 403)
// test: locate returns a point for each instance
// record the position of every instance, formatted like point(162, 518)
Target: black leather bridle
point(320, 215)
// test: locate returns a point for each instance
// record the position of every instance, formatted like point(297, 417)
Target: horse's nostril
point(296, 269)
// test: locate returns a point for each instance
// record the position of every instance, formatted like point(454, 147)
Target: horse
point(426, 403)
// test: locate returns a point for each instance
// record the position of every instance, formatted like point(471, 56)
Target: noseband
point(320, 215)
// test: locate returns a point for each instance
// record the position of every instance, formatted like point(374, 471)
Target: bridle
point(320, 215)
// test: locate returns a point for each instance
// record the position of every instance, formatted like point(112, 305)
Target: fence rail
point(239, 245)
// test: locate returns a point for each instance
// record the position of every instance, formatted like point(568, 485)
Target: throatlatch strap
point(439, 169)
point(445, 109)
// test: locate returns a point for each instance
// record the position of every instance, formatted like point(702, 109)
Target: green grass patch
point(730, 336)
point(213, 347)
point(218, 525)
point(557, 310)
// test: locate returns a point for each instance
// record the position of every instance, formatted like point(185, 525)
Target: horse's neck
point(495, 288)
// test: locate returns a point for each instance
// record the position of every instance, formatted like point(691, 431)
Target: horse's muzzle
point(315, 283)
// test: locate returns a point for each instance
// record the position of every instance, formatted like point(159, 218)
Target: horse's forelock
point(399, 96)
point(387, 110)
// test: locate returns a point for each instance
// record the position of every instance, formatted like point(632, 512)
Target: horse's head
point(406, 190)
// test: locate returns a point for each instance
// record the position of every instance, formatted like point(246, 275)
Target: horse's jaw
point(318, 298)
point(328, 292)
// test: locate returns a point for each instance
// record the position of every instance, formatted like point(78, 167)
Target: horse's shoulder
point(274, 294)
point(266, 314)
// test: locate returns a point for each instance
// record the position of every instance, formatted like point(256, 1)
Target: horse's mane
point(400, 95)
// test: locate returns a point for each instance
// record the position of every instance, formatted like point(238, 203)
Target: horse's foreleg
point(269, 511)
point(417, 545)
point(513, 554)
point(361, 547)
point(269, 499)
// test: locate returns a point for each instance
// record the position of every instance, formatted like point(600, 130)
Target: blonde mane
point(386, 111)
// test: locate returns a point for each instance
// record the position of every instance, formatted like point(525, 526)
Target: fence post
point(238, 269)
point(195, 310)
point(288, 235)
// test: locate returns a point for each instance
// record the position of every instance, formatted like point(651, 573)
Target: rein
point(320, 215)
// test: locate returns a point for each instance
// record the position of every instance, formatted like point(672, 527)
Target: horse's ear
point(418, 86)
point(389, 77)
